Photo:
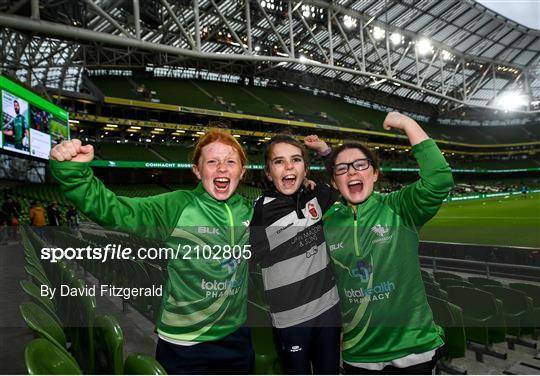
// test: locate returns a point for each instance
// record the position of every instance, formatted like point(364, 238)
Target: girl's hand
point(395, 120)
point(313, 142)
point(415, 133)
point(72, 150)
point(309, 184)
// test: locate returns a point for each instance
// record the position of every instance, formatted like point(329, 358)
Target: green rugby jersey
point(203, 299)
point(385, 312)
point(19, 126)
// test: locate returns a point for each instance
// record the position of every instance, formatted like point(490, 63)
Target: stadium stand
point(300, 105)
point(127, 152)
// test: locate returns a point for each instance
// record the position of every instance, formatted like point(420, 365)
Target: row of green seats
point(492, 312)
point(71, 335)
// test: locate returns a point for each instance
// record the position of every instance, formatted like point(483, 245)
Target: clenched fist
point(396, 120)
point(72, 150)
point(313, 142)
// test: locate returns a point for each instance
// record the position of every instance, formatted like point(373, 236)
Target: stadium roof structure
point(442, 55)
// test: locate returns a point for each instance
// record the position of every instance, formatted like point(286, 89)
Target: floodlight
point(349, 22)
point(512, 101)
point(305, 11)
point(396, 39)
point(378, 33)
point(424, 46)
point(446, 55)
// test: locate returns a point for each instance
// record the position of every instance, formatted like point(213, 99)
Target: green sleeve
point(153, 217)
point(418, 202)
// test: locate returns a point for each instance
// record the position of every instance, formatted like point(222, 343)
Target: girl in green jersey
point(203, 308)
point(373, 241)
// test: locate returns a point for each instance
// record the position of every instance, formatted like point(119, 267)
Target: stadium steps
point(113, 86)
point(153, 151)
point(173, 153)
point(179, 92)
point(126, 152)
point(234, 98)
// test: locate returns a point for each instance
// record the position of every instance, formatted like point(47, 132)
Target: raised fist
point(396, 120)
point(313, 142)
point(72, 150)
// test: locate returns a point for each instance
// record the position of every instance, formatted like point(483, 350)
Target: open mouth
point(221, 184)
point(289, 181)
point(355, 186)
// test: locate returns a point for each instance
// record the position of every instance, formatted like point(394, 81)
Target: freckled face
point(219, 169)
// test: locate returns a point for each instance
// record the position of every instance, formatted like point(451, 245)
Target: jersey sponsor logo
point(362, 270)
point(335, 247)
point(312, 251)
point(284, 228)
point(383, 233)
point(379, 292)
point(295, 348)
point(208, 230)
point(312, 210)
point(216, 288)
point(231, 264)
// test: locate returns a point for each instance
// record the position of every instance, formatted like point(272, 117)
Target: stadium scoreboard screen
point(31, 125)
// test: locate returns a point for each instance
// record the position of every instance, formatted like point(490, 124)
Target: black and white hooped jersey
point(287, 240)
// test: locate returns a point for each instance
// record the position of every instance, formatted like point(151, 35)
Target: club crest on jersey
point(379, 230)
point(384, 234)
point(312, 209)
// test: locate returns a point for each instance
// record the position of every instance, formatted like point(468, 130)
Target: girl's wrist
point(325, 152)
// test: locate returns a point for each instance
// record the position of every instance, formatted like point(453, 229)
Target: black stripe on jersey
point(299, 293)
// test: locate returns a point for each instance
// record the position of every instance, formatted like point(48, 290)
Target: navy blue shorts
point(312, 347)
point(230, 355)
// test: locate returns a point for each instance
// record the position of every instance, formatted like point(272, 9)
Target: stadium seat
point(518, 313)
point(481, 317)
point(42, 357)
point(158, 276)
point(29, 260)
point(434, 289)
point(37, 276)
point(533, 292)
point(447, 282)
point(47, 304)
point(81, 331)
point(450, 318)
point(480, 281)
point(438, 275)
point(266, 357)
point(109, 342)
point(426, 276)
point(142, 364)
point(43, 324)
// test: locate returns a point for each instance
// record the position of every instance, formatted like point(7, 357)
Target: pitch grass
point(511, 221)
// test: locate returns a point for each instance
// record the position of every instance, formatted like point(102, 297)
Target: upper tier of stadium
point(285, 102)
